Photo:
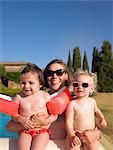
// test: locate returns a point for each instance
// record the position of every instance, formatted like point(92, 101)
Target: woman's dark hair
point(57, 61)
point(34, 69)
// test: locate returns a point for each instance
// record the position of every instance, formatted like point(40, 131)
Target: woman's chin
point(55, 87)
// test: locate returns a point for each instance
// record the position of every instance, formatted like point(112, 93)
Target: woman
point(56, 76)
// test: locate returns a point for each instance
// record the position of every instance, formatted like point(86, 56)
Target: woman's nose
point(54, 75)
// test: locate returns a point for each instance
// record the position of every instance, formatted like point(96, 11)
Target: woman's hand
point(89, 136)
point(26, 122)
point(39, 119)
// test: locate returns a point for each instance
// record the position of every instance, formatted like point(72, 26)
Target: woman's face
point(56, 80)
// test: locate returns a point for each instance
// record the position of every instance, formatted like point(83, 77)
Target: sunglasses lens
point(75, 84)
point(85, 85)
point(50, 73)
point(59, 72)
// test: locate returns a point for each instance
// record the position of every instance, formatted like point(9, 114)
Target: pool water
point(4, 119)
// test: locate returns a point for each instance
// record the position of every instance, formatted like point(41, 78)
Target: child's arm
point(70, 120)
point(100, 116)
point(25, 121)
point(74, 139)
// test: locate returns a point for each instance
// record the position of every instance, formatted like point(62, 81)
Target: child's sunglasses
point(58, 72)
point(84, 85)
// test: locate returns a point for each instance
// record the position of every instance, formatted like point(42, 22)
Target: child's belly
point(81, 127)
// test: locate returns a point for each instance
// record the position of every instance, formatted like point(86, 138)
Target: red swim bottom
point(33, 133)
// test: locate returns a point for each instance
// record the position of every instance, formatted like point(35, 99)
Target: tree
point(69, 63)
point(13, 76)
point(105, 71)
point(76, 59)
point(95, 60)
point(2, 71)
point(85, 62)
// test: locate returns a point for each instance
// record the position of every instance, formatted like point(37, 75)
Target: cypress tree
point(76, 59)
point(85, 62)
point(69, 63)
point(95, 60)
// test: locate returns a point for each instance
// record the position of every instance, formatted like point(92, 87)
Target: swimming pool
point(4, 119)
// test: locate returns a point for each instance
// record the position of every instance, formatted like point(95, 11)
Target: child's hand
point(75, 141)
point(103, 123)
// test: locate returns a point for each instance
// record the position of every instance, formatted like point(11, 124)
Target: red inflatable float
point(56, 106)
point(8, 107)
point(59, 101)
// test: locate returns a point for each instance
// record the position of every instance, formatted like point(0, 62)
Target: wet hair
point(57, 61)
point(34, 69)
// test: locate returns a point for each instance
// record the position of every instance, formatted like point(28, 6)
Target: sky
point(40, 31)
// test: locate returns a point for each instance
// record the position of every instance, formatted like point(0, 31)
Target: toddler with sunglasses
point(80, 113)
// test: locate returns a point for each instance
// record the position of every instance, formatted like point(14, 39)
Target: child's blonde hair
point(90, 74)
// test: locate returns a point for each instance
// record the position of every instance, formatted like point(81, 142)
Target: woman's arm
point(19, 123)
point(14, 126)
point(43, 120)
point(89, 136)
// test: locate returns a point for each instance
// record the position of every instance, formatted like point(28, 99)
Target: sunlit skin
point(56, 82)
point(58, 127)
point(29, 83)
point(80, 114)
point(32, 101)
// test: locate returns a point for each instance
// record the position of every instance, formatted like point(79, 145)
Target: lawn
point(105, 103)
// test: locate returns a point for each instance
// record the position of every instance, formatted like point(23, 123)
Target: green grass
point(106, 105)
point(108, 113)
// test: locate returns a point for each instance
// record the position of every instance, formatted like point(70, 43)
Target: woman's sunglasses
point(58, 72)
point(84, 85)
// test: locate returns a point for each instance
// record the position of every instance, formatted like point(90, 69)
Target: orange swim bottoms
point(33, 133)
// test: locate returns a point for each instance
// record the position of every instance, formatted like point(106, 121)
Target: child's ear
point(41, 86)
point(92, 90)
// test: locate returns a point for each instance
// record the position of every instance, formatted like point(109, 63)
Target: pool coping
point(10, 144)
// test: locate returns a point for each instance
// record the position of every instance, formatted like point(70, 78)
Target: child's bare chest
point(33, 105)
point(83, 109)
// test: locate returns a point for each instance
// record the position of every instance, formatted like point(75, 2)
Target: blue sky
point(39, 31)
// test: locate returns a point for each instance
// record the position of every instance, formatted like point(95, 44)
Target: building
point(13, 66)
